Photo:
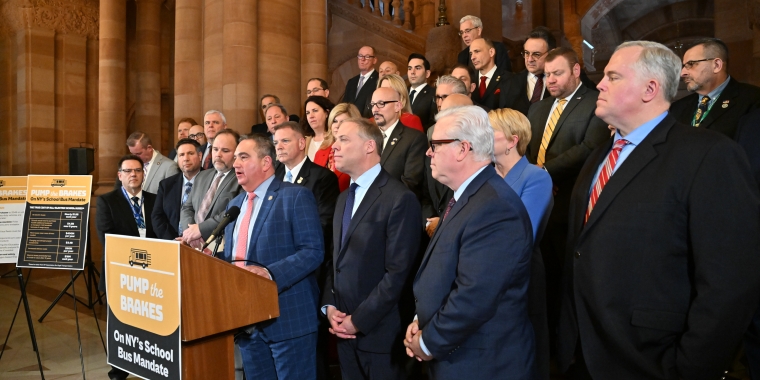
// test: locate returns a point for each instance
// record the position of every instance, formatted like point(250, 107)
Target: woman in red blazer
point(320, 139)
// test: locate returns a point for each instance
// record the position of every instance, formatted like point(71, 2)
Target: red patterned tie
point(242, 238)
point(482, 88)
point(451, 204)
point(605, 174)
point(537, 89)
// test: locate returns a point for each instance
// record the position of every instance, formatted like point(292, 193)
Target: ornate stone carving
point(379, 26)
point(63, 16)
point(753, 6)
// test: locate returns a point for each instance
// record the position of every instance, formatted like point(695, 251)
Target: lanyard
point(136, 209)
point(694, 120)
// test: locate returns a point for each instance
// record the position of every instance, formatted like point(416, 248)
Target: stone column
point(571, 26)
point(188, 60)
point(731, 18)
point(213, 58)
point(279, 57)
point(148, 41)
point(314, 42)
point(239, 73)
point(112, 86)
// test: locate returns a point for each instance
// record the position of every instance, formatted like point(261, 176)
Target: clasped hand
point(412, 342)
point(341, 324)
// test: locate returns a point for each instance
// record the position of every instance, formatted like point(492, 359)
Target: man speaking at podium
point(278, 236)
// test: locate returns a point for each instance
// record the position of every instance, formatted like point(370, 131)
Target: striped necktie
point(605, 174)
point(548, 131)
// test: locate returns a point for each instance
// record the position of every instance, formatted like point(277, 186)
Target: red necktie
point(451, 204)
point(483, 85)
point(538, 89)
point(605, 174)
point(207, 161)
point(242, 238)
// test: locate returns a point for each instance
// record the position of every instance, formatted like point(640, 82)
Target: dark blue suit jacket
point(287, 239)
point(471, 288)
point(165, 216)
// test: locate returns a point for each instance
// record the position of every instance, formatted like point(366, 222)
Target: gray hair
point(277, 105)
point(659, 62)
point(475, 20)
point(470, 123)
point(458, 86)
point(210, 112)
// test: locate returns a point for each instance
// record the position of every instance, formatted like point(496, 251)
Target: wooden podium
point(218, 298)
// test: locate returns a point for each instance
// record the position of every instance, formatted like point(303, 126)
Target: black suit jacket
point(661, 282)
point(577, 133)
point(165, 215)
point(739, 99)
point(404, 156)
point(515, 93)
point(362, 99)
point(435, 195)
point(371, 267)
point(492, 96)
point(424, 106)
point(113, 215)
point(502, 56)
point(748, 136)
point(324, 185)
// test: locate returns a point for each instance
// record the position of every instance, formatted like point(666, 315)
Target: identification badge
point(143, 232)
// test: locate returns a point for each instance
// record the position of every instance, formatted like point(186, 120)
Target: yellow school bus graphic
point(139, 257)
point(58, 183)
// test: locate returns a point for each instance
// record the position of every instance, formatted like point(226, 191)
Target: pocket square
point(497, 92)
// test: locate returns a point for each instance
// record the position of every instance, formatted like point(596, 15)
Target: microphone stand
point(213, 254)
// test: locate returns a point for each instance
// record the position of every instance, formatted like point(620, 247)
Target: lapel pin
point(497, 78)
point(578, 98)
point(270, 197)
point(725, 104)
point(394, 141)
point(300, 179)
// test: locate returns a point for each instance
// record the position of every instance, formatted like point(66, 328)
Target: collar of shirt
point(388, 132)
point(488, 75)
point(418, 88)
point(714, 94)
point(463, 186)
point(367, 75)
point(185, 180)
point(295, 170)
point(364, 181)
point(148, 165)
point(261, 192)
point(567, 100)
point(223, 176)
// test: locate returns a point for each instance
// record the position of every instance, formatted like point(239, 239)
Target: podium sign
point(143, 294)
point(12, 206)
point(54, 233)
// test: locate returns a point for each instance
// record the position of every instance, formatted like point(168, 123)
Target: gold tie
point(548, 132)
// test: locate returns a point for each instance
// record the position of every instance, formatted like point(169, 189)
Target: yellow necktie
point(548, 132)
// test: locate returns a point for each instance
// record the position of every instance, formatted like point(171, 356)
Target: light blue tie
point(288, 177)
point(185, 196)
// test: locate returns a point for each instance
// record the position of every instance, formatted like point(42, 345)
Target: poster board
point(54, 233)
point(144, 306)
point(12, 206)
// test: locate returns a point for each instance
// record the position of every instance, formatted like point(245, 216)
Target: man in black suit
point(717, 101)
point(661, 270)
point(196, 133)
point(528, 87)
point(421, 95)
point(359, 88)
point(376, 234)
point(471, 288)
point(470, 29)
point(183, 130)
point(564, 132)
point(175, 190)
point(491, 77)
point(124, 211)
point(404, 148)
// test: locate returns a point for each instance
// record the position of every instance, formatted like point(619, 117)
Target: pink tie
point(605, 174)
point(242, 238)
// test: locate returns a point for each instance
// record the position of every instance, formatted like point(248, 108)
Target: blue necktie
point(347, 213)
point(288, 177)
point(137, 212)
point(188, 188)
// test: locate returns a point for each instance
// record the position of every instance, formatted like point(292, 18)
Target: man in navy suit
point(359, 89)
point(376, 234)
point(471, 288)
point(277, 236)
point(175, 190)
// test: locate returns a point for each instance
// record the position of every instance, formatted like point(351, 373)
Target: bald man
point(386, 68)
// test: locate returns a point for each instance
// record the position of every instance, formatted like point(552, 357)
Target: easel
point(23, 297)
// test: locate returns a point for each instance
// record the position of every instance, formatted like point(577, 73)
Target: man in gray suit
point(565, 132)
point(157, 166)
point(212, 190)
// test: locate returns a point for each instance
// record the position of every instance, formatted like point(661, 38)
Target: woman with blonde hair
point(407, 117)
point(512, 132)
point(338, 114)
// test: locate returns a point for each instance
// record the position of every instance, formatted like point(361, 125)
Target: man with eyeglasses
point(528, 86)
point(125, 211)
point(445, 86)
point(491, 78)
point(359, 88)
point(717, 101)
point(470, 29)
point(317, 87)
point(403, 147)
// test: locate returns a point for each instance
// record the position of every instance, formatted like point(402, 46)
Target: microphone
point(230, 216)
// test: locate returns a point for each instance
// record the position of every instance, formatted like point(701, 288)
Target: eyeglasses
point(440, 98)
point(129, 171)
point(365, 57)
point(380, 104)
point(535, 54)
point(433, 143)
point(196, 136)
point(314, 90)
point(461, 32)
point(689, 64)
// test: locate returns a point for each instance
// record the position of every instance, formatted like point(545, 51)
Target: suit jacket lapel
point(124, 207)
point(394, 138)
point(229, 177)
point(571, 104)
point(538, 127)
point(152, 172)
point(729, 93)
point(266, 206)
point(303, 174)
point(372, 194)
